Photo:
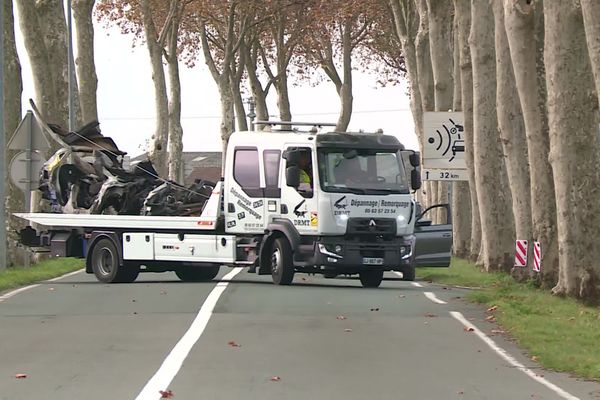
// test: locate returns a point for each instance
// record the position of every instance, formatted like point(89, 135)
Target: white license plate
point(372, 261)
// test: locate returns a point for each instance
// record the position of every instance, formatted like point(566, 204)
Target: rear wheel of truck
point(105, 264)
point(282, 265)
point(198, 273)
point(371, 279)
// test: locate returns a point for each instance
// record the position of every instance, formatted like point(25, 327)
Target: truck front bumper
point(350, 255)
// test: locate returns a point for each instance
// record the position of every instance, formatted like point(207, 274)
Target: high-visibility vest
point(304, 177)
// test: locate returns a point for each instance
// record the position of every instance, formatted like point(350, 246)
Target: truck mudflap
point(352, 255)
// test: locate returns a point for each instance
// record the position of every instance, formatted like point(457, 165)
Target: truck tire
point(408, 273)
point(197, 274)
point(105, 264)
point(282, 265)
point(371, 279)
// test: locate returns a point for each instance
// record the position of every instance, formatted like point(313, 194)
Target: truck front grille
point(371, 226)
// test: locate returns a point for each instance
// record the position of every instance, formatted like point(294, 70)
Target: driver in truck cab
point(305, 171)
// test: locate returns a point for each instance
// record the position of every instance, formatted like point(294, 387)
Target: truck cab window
point(306, 173)
point(245, 168)
point(272, 160)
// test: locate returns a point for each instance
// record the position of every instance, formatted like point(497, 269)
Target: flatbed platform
point(129, 222)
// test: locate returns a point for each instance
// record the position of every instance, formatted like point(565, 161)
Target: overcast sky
point(126, 99)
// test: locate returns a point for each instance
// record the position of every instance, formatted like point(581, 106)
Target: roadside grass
point(19, 276)
point(558, 333)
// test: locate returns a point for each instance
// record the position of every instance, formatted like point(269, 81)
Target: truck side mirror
point(414, 160)
point(292, 176)
point(292, 156)
point(415, 179)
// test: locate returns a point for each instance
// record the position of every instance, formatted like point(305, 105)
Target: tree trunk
point(591, 18)
point(493, 193)
point(573, 109)
point(283, 97)
point(345, 89)
point(51, 15)
point(258, 93)
point(440, 36)
point(13, 88)
point(425, 82)
point(461, 202)
point(86, 69)
point(463, 13)
point(44, 77)
point(175, 139)
point(240, 110)
point(227, 116)
point(512, 135)
point(161, 104)
point(525, 47)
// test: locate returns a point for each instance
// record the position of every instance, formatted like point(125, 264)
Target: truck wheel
point(198, 274)
point(408, 273)
point(371, 279)
point(282, 266)
point(105, 264)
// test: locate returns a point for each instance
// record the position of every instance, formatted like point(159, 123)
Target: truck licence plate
point(372, 261)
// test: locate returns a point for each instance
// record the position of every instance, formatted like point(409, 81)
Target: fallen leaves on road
point(402, 296)
point(497, 331)
point(469, 329)
point(430, 315)
point(133, 301)
point(534, 358)
point(375, 309)
point(490, 318)
point(348, 330)
point(20, 376)
point(275, 378)
point(163, 292)
point(461, 392)
point(51, 289)
point(492, 309)
point(340, 317)
point(166, 394)
point(231, 343)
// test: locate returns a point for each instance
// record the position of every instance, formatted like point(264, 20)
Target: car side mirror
point(415, 179)
point(292, 176)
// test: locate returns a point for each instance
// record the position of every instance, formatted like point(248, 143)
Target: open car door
point(433, 247)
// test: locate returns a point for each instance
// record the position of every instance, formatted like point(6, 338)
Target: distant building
point(204, 165)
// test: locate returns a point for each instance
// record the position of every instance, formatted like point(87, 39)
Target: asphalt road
point(77, 338)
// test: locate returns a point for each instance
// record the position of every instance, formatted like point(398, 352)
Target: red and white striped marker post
point(521, 253)
point(537, 256)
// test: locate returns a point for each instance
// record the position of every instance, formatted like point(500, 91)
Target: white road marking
point(172, 364)
point(65, 276)
point(12, 293)
point(510, 359)
point(417, 284)
point(17, 291)
point(433, 298)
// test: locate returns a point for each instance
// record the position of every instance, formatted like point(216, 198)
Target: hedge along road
point(318, 339)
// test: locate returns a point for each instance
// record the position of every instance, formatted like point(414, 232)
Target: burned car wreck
point(86, 175)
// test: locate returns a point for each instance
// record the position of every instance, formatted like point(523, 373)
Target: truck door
point(299, 205)
point(433, 247)
point(244, 199)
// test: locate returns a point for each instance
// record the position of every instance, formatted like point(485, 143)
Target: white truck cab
point(289, 201)
point(331, 203)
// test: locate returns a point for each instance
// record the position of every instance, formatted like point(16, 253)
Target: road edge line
point(510, 359)
point(68, 274)
point(14, 292)
point(171, 365)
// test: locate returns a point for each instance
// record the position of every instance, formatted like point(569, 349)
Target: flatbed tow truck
point(353, 215)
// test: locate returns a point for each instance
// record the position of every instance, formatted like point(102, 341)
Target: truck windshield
point(361, 171)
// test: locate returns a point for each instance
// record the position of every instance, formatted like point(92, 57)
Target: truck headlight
point(405, 252)
point(324, 250)
point(338, 248)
